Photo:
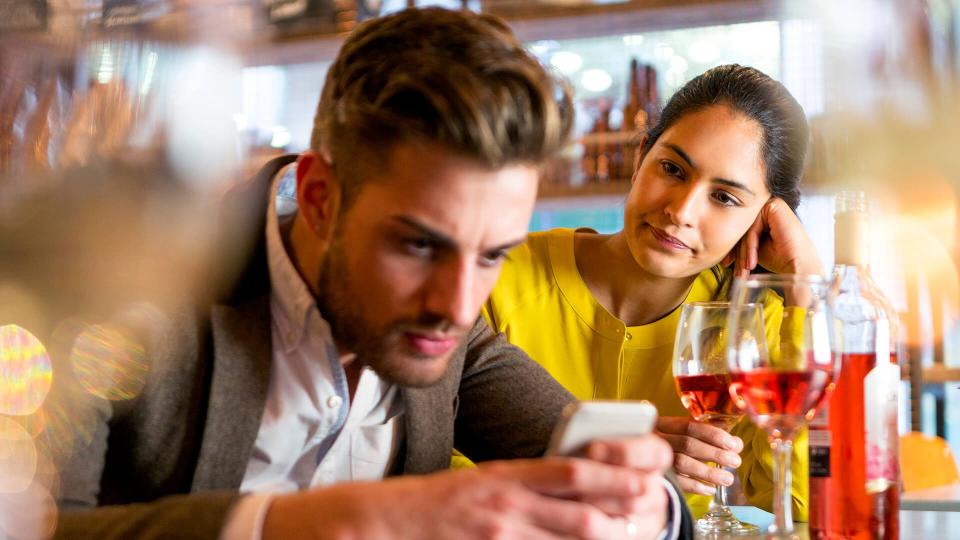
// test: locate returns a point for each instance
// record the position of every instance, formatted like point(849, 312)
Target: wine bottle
point(629, 125)
point(853, 441)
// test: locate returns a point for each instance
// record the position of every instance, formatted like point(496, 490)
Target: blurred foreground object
point(892, 97)
point(926, 462)
point(117, 142)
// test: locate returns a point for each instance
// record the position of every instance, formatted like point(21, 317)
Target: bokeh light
point(68, 424)
point(34, 423)
point(18, 457)
point(25, 371)
point(109, 362)
point(30, 514)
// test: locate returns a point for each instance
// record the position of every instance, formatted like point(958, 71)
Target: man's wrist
point(314, 514)
point(246, 518)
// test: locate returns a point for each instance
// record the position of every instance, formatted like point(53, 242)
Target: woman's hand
point(694, 444)
point(778, 242)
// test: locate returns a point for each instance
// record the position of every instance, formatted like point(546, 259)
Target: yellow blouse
point(543, 306)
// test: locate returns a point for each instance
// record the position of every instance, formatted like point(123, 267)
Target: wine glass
point(780, 378)
point(702, 378)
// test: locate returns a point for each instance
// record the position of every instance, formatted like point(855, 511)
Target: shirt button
point(334, 401)
point(629, 336)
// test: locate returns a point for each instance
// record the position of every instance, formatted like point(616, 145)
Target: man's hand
point(646, 516)
point(694, 444)
point(536, 499)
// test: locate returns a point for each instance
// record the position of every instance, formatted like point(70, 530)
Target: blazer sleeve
point(195, 516)
point(81, 515)
point(509, 404)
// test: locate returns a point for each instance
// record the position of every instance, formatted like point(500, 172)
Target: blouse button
point(629, 336)
point(334, 401)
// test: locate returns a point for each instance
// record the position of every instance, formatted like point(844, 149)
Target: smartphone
point(585, 421)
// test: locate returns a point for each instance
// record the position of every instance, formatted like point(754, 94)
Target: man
point(351, 350)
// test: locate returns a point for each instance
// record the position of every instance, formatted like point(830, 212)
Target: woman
point(713, 196)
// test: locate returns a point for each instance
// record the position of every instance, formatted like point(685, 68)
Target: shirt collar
point(290, 295)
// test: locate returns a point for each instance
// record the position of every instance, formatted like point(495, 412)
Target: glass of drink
point(702, 378)
point(780, 378)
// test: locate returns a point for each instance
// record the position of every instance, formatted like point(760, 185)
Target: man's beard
point(375, 347)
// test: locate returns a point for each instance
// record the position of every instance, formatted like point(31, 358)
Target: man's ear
point(318, 193)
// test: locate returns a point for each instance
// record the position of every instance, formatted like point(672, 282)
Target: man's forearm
point(195, 516)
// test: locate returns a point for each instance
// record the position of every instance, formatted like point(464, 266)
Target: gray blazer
point(169, 463)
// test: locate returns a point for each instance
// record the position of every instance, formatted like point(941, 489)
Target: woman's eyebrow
point(733, 184)
point(725, 181)
point(679, 151)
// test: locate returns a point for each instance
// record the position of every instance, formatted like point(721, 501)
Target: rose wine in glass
point(780, 377)
point(702, 380)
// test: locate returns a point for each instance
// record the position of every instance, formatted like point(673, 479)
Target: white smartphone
point(585, 421)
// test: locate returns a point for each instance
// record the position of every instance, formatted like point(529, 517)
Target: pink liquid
point(780, 401)
point(840, 506)
point(707, 397)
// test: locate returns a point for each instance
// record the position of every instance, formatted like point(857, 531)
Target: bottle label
point(819, 439)
point(880, 388)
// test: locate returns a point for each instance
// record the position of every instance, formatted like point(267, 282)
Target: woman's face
point(696, 193)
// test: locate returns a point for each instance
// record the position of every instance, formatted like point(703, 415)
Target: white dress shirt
point(311, 433)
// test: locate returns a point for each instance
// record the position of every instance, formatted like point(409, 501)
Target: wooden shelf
point(310, 41)
point(941, 374)
point(618, 188)
point(612, 138)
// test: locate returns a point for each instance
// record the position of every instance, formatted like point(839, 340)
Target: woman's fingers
point(750, 245)
point(786, 247)
point(700, 451)
point(689, 485)
point(678, 425)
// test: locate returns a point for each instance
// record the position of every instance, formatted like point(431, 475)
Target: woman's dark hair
point(757, 96)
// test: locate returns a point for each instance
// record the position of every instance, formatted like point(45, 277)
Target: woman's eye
point(671, 169)
point(726, 199)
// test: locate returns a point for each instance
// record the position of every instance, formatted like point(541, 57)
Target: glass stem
point(720, 495)
point(782, 500)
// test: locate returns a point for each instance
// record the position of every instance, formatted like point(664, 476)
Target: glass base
point(774, 534)
point(719, 519)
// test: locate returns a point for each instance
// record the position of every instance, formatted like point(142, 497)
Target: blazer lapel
point(241, 375)
point(429, 436)
point(429, 420)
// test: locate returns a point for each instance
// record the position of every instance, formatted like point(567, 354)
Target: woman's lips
point(668, 241)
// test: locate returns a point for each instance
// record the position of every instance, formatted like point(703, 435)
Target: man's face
point(416, 254)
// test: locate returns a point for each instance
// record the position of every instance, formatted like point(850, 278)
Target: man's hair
point(456, 79)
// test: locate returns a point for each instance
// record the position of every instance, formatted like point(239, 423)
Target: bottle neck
point(851, 239)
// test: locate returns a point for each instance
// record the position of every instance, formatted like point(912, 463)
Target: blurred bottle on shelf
point(630, 116)
point(604, 148)
point(651, 102)
point(610, 155)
